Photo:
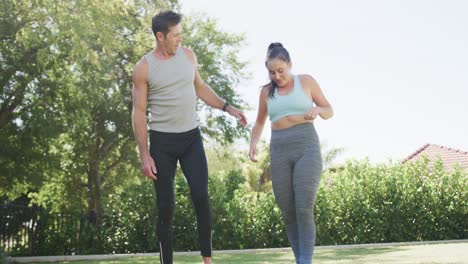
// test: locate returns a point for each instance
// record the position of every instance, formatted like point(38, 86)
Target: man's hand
point(148, 167)
point(237, 114)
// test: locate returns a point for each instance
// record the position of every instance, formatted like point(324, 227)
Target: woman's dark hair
point(164, 20)
point(275, 51)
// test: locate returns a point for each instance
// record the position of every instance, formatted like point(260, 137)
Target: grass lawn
point(433, 253)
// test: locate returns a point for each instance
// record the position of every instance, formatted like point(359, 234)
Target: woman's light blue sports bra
point(294, 103)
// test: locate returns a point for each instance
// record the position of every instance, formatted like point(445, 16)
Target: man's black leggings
point(187, 148)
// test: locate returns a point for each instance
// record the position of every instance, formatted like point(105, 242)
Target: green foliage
point(262, 227)
point(329, 155)
point(361, 203)
point(131, 209)
point(223, 158)
point(65, 95)
point(233, 182)
point(240, 219)
point(3, 257)
point(221, 68)
point(65, 99)
point(31, 69)
point(258, 174)
point(31, 230)
point(66, 142)
point(391, 203)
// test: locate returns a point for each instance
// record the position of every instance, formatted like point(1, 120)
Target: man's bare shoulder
point(141, 64)
point(141, 68)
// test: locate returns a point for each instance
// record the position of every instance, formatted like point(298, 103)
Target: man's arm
point(206, 93)
point(139, 96)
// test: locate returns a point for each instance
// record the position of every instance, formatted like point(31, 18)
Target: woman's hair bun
point(275, 45)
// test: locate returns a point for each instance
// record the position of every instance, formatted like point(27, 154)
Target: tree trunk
point(94, 202)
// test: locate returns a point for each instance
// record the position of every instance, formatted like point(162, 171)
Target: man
point(168, 82)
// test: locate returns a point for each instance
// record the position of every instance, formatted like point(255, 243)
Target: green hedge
point(129, 222)
point(357, 203)
point(392, 203)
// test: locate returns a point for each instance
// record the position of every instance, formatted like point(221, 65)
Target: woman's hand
point(312, 113)
point(253, 153)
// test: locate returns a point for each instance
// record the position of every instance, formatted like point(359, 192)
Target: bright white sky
point(395, 71)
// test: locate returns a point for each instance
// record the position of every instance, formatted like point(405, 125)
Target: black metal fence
point(32, 231)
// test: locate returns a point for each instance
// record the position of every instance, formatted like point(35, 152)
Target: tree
point(329, 155)
point(66, 95)
point(220, 67)
point(33, 56)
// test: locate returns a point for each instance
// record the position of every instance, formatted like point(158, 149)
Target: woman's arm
point(259, 124)
point(323, 108)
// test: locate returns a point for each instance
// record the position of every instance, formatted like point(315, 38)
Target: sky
point(395, 72)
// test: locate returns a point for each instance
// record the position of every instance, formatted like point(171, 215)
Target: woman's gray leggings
point(296, 166)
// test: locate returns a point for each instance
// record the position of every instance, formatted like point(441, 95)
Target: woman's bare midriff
point(289, 121)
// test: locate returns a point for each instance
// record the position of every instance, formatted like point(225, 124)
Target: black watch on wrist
point(226, 104)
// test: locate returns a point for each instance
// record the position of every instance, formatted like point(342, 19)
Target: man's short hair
point(164, 20)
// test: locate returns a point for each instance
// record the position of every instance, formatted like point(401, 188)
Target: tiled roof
point(449, 156)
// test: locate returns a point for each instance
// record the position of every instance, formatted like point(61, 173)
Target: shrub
point(358, 203)
point(391, 203)
point(129, 220)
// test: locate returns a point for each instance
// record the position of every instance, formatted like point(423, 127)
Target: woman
point(292, 103)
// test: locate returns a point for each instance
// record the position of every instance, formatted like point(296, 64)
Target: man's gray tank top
point(172, 99)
